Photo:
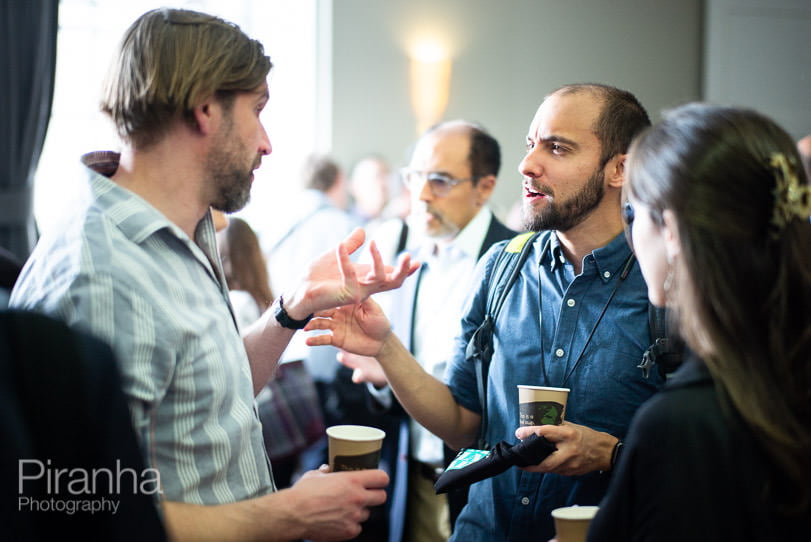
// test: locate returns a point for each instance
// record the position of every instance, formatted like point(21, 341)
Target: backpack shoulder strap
point(666, 350)
point(506, 270)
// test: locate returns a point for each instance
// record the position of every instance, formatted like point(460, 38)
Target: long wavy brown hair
point(742, 285)
point(243, 262)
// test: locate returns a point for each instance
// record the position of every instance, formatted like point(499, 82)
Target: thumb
point(354, 240)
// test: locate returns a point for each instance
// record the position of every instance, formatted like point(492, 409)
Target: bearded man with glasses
point(451, 176)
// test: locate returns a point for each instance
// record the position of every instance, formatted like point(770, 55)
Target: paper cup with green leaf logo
point(540, 405)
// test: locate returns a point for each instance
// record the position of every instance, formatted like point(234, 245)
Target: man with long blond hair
point(137, 265)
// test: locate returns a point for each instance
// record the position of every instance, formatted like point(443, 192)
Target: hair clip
point(791, 200)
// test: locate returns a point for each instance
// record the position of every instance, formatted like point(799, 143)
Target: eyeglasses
point(439, 183)
point(628, 218)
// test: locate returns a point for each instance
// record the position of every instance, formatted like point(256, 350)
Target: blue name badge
point(466, 457)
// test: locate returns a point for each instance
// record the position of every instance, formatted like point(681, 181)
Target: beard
point(567, 214)
point(228, 174)
point(443, 229)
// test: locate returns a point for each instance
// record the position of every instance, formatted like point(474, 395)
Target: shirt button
point(559, 352)
point(525, 501)
point(607, 274)
point(570, 302)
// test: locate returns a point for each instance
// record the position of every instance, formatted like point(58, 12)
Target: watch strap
point(284, 319)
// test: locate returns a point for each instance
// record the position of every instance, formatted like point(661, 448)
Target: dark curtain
point(27, 65)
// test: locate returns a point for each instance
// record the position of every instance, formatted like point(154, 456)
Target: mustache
point(425, 209)
point(538, 188)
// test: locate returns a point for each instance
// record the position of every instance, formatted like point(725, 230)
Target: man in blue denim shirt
point(577, 317)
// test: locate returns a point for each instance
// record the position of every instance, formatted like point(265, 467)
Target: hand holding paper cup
point(354, 447)
point(540, 405)
point(572, 522)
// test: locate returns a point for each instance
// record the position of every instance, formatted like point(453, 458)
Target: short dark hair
point(484, 155)
point(621, 119)
point(320, 172)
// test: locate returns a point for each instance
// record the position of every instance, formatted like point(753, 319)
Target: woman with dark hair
point(287, 404)
point(245, 271)
point(718, 212)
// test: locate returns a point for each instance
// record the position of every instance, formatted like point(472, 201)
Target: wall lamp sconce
point(430, 73)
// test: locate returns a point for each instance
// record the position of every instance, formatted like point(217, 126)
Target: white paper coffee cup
point(354, 447)
point(541, 405)
point(572, 522)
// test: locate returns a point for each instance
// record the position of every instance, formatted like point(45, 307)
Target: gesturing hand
point(361, 328)
point(333, 280)
point(364, 368)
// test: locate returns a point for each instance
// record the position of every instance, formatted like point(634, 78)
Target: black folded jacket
point(467, 469)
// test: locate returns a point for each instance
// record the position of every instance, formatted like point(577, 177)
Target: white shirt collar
point(469, 240)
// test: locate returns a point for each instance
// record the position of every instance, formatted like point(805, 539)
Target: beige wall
point(508, 54)
point(758, 55)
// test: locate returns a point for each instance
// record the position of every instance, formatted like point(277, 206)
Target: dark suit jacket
point(61, 407)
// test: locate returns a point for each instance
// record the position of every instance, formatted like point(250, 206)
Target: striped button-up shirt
point(120, 269)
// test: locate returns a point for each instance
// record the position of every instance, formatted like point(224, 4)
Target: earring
point(668, 280)
point(668, 283)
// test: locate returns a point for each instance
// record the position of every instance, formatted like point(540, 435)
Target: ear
point(670, 232)
point(206, 116)
point(615, 171)
point(484, 189)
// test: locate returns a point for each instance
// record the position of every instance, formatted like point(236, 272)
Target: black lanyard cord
point(625, 270)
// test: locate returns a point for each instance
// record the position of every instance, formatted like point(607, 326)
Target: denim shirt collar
point(607, 259)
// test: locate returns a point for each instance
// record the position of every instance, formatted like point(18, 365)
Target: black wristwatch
point(615, 454)
point(284, 319)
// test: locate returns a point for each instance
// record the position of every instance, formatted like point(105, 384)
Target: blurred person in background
point(249, 290)
point(451, 176)
point(388, 222)
point(245, 271)
point(369, 190)
point(804, 146)
point(319, 222)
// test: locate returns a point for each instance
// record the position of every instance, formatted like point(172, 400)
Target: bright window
point(89, 32)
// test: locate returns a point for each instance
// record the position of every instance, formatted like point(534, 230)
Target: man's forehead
point(442, 147)
point(565, 114)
